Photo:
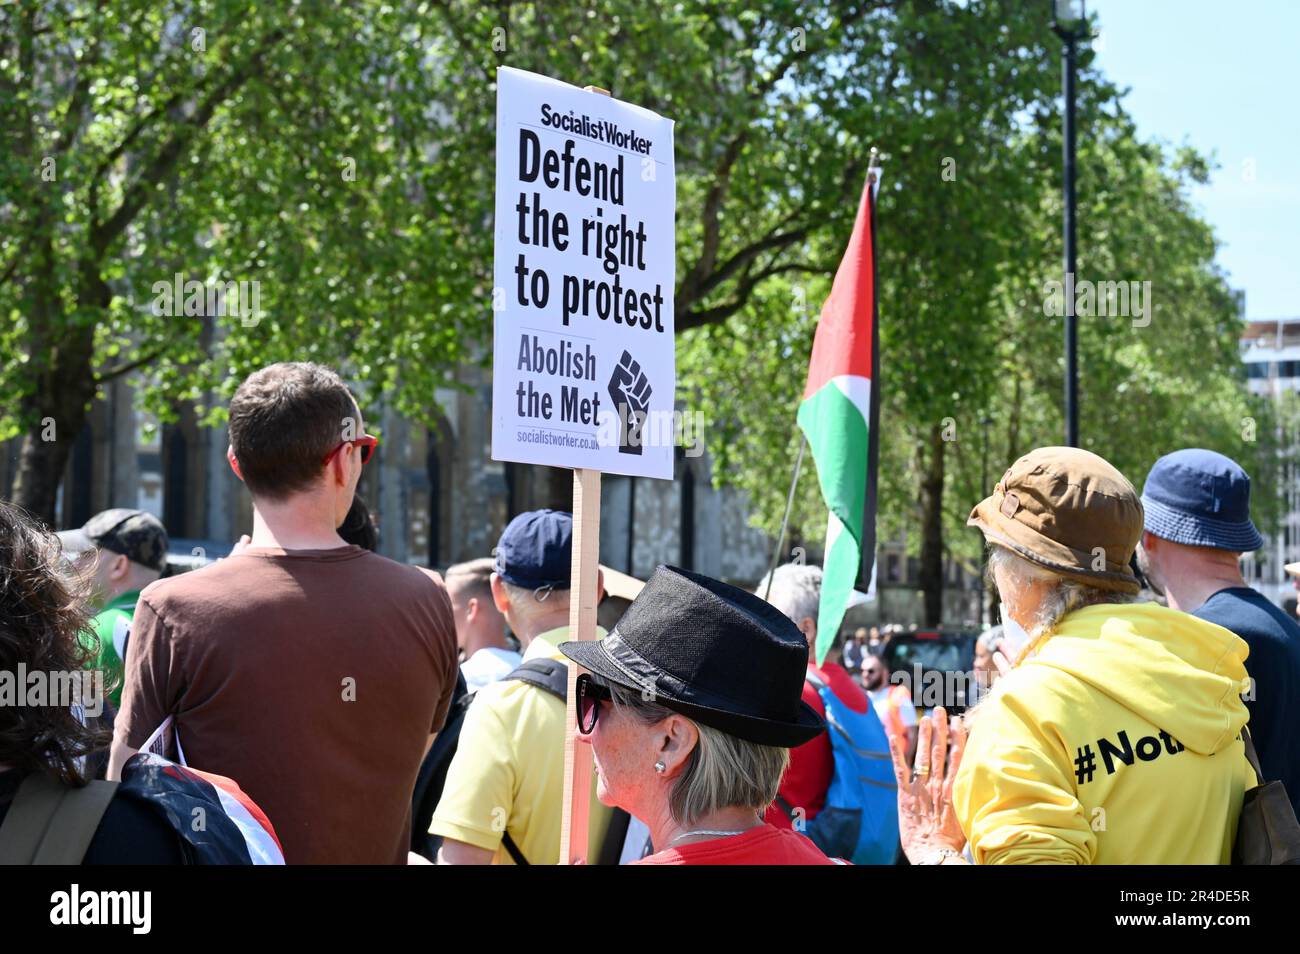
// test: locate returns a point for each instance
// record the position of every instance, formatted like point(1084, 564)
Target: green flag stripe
point(837, 436)
point(839, 573)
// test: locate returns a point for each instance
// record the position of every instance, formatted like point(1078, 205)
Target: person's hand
point(239, 547)
point(927, 821)
point(1002, 662)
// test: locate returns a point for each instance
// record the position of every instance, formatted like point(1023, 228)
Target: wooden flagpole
point(576, 811)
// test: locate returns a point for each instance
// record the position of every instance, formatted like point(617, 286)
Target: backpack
point(432, 777)
point(859, 821)
point(552, 677)
point(52, 824)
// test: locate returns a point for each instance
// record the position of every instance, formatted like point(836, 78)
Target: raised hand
point(630, 391)
point(927, 822)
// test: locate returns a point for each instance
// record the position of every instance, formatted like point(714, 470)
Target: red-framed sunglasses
point(366, 442)
point(590, 693)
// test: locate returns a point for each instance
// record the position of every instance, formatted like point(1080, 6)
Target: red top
point(813, 763)
point(761, 845)
point(842, 344)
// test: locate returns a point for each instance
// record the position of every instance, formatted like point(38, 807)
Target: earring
point(659, 767)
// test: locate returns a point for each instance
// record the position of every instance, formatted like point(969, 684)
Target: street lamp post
point(1070, 23)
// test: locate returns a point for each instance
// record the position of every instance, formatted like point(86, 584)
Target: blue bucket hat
point(1202, 499)
point(536, 550)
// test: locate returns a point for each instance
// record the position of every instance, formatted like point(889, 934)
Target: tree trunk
point(46, 447)
point(59, 402)
point(1013, 452)
point(931, 576)
point(61, 343)
point(40, 467)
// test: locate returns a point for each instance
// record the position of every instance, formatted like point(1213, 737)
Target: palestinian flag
point(838, 416)
point(216, 820)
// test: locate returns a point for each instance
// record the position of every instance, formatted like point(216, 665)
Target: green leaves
point(966, 348)
point(340, 156)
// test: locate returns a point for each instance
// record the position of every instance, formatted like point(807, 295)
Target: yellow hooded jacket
point(1119, 742)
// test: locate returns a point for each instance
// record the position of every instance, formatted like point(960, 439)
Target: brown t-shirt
point(313, 678)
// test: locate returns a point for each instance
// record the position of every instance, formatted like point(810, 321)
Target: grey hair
point(722, 771)
point(525, 600)
point(1065, 596)
point(796, 590)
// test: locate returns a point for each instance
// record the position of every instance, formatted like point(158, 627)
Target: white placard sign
point(583, 366)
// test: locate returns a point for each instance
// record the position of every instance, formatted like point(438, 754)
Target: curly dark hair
point(42, 622)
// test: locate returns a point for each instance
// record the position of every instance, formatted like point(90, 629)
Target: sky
point(1225, 79)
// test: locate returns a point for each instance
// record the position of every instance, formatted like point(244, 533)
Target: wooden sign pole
point(582, 625)
point(576, 813)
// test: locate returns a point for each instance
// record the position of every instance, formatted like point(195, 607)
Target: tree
point(945, 104)
point(215, 142)
point(339, 155)
point(965, 329)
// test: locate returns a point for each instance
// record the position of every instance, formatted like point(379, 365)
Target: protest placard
point(583, 371)
point(583, 364)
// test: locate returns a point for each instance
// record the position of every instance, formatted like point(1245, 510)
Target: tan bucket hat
point(1070, 511)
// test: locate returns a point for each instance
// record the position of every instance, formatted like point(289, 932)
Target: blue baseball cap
point(1202, 499)
point(536, 550)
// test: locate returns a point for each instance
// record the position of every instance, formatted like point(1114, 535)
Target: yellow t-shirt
point(508, 771)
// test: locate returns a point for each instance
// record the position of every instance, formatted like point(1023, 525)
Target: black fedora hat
point(708, 650)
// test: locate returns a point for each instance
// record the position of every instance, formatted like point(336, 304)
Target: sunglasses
point(590, 693)
point(366, 442)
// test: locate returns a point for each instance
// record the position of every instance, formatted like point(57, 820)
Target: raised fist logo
point(630, 391)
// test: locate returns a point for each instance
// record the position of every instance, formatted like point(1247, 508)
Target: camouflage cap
point(135, 534)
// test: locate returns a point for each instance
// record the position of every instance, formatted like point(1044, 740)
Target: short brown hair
point(475, 576)
point(284, 420)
